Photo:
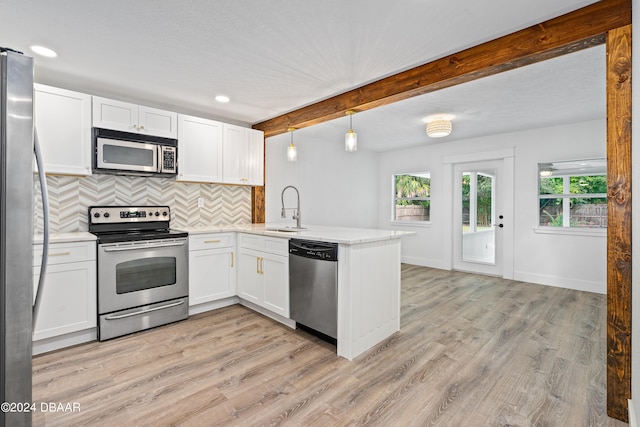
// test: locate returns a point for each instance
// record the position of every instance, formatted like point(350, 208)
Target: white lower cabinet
point(263, 276)
point(212, 267)
point(68, 300)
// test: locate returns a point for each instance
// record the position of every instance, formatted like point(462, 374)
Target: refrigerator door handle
point(45, 220)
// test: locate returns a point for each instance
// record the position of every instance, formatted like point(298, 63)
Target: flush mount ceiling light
point(44, 51)
point(292, 152)
point(438, 125)
point(222, 99)
point(351, 138)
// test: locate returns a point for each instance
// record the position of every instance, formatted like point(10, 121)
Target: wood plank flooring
point(472, 351)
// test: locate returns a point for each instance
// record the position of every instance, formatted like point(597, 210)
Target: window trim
point(566, 196)
point(411, 223)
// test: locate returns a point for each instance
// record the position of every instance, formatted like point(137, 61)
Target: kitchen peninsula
point(247, 264)
point(368, 276)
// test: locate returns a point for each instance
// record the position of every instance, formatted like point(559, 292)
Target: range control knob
point(106, 215)
point(157, 213)
point(96, 215)
point(164, 213)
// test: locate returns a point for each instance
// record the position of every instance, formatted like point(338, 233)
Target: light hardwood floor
point(472, 351)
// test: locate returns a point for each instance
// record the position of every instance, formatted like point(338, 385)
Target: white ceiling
point(567, 89)
point(271, 57)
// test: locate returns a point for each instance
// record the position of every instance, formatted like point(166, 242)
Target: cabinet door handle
point(212, 241)
point(231, 259)
point(261, 265)
point(59, 253)
point(141, 126)
point(258, 265)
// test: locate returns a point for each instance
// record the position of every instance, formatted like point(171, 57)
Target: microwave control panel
point(168, 159)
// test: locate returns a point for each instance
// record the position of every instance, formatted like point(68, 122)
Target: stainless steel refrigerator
point(16, 234)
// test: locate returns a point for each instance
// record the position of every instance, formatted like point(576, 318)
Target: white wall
point(336, 188)
point(577, 262)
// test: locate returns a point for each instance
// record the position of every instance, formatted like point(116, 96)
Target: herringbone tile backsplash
point(70, 198)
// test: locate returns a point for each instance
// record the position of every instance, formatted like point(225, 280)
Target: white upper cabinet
point(127, 117)
point(199, 149)
point(254, 161)
point(63, 122)
point(243, 154)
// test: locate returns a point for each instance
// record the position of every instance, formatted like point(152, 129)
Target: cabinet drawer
point(211, 241)
point(62, 253)
point(274, 245)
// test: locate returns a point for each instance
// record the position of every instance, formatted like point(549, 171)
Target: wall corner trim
point(632, 415)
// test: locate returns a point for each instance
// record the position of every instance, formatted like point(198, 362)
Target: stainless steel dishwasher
point(313, 285)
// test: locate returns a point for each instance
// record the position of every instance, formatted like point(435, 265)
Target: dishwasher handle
point(312, 249)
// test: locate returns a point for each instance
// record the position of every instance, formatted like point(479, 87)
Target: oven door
point(126, 155)
point(133, 274)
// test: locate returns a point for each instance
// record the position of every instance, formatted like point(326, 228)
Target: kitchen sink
point(286, 229)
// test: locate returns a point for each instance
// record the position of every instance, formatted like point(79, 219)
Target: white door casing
point(505, 236)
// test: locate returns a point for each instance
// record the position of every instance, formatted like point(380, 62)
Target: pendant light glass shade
point(350, 138)
point(438, 128)
point(292, 152)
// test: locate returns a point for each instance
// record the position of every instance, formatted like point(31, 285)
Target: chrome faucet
point(296, 214)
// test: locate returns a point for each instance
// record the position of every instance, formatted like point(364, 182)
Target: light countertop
point(344, 235)
point(79, 236)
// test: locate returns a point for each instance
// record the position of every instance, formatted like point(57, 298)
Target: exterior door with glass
point(478, 217)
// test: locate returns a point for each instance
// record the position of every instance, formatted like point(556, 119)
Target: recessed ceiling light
point(222, 98)
point(44, 51)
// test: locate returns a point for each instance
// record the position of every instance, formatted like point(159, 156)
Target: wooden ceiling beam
point(568, 33)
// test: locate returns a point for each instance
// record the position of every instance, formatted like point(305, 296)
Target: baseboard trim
point(67, 340)
point(423, 262)
point(561, 282)
point(632, 415)
point(212, 305)
point(287, 322)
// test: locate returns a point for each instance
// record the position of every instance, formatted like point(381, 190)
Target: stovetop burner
point(135, 236)
point(131, 223)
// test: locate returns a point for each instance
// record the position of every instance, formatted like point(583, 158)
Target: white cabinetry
point(68, 299)
point(124, 116)
point(212, 267)
point(243, 154)
point(263, 275)
point(200, 152)
point(63, 122)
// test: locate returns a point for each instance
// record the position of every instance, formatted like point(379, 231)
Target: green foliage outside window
point(585, 202)
point(412, 190)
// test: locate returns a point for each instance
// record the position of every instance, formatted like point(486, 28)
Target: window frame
point(394, 199)
point(566, 197)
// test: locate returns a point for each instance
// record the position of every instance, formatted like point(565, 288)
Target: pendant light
point(351, 138)
point(292, 152)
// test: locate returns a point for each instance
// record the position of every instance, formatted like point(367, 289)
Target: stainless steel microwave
point(125, 153)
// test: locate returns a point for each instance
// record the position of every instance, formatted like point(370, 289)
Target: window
point(412, 197)
point(573, 194)
point(478, 201)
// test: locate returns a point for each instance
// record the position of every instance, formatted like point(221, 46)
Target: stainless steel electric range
point(143, 272)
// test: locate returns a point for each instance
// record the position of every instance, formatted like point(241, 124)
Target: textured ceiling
point(567, 89)
point(270, 57)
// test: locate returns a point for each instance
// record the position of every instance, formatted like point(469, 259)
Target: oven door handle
point(148, 310)
point(145, 246)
